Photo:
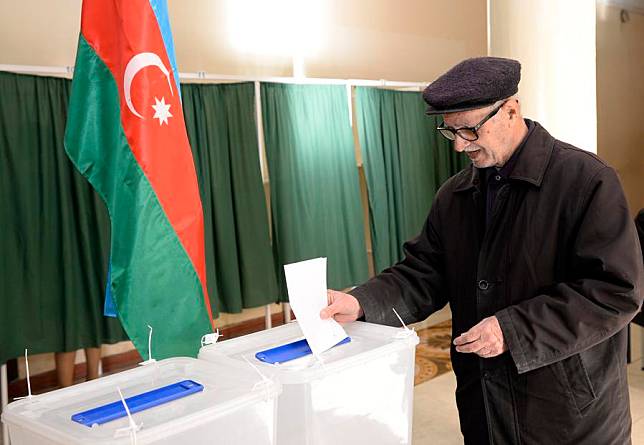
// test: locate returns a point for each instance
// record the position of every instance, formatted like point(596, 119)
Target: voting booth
point(173, 401)
point(358, 392)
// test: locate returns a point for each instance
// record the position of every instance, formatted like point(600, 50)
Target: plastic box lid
point(368, 341)
point(227, 388)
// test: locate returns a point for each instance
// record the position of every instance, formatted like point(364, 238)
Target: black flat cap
point(473, 83)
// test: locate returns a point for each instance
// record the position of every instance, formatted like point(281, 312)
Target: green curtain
point(405, 162)
point(54, 229)
point(220, 120)
point(315, 193)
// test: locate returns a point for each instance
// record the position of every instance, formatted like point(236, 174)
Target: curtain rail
point(202, 75)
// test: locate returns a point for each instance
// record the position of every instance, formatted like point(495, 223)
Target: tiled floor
point(436, 419)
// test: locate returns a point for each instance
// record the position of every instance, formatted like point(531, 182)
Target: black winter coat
point(559, 265)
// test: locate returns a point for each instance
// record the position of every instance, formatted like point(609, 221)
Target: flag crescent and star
point(136, 64)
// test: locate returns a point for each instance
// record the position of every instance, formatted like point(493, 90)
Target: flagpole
point(5, 401)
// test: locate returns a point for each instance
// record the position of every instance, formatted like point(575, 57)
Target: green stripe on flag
point(153, 279)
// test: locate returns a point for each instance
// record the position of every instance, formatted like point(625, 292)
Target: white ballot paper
point(306, 282)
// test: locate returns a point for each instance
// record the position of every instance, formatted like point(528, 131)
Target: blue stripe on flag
point(110, 308)
point(160, 8)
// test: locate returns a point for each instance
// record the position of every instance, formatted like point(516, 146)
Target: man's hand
point(485, 339)
point(344, 308)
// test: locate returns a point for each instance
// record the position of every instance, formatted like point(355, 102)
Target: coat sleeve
point(414, 286)
point(601, 296)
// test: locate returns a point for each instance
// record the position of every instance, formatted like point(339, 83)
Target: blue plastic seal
point(290, 351)
point(140, 402)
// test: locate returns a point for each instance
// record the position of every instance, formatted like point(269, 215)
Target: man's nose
point(460, 144)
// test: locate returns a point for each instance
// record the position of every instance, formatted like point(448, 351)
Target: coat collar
point(530, 166)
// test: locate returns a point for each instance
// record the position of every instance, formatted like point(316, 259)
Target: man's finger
point(326, 313)
point(488, 353)
point(341, 318)
point(329, 296)
point(473, 347)
point(467, 337)
point(330, 310)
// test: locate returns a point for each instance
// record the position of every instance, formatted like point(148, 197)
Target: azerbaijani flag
point(126, 134)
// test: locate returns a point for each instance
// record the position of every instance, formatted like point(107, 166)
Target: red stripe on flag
point(126, 36)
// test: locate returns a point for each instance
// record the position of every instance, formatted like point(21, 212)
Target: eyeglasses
point(467, 133)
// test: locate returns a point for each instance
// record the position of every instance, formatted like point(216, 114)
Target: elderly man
point(534, 249)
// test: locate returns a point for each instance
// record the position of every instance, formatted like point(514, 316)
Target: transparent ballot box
point(358, 392)
point(177, 400)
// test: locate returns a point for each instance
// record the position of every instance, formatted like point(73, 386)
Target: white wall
point(620, 97)
point(555, 42)
point(411, 40)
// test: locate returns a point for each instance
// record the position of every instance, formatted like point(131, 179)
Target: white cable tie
point(318, 359)
point(28, 376)
point(150, 344)
point(210, 339)
point(29, 396)
point(150, 359)
point(265, 382)
point(133, 427)
point(401, 320)
point(406, 332)
point(261, 374)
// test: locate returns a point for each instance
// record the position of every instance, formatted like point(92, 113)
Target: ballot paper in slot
point(306, 283)
point(289, 351)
